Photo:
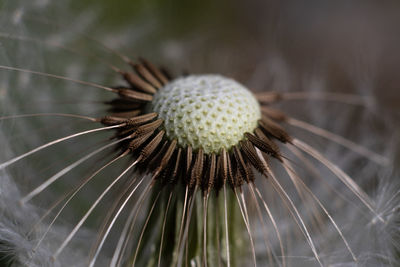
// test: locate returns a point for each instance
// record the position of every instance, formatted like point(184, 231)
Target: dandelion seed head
point(207, 111)
point(213, 220)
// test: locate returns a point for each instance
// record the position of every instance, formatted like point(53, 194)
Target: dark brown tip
point(263, 145)
point(138, 83)
point(225, 168)
point(111, 120)
point(151, 146)
point(197, 169)
point(147, 75)
point(189, 157)
point(237, 179)
point(211, 173)
point(243, 168)
point(141, 119)
point(270, 146)
point(154, 70)
point(251, 154)
point(149, 127)
point(274, 114)
point(139, 141)
point(134, 95)
point(166, 157)
point(272, 128)
point(154, 161)
point(177, 170)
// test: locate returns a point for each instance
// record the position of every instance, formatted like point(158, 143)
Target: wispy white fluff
point(18, 238)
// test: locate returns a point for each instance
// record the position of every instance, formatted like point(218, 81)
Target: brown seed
point(137, 142)
point(231, 177)
point(239, 177)
point(111, 120)
point(137, 82)
point(154, 162)
point(211, 173)
point(273, 113)
point(125, 132)
point(189, 157)
point(166, 158)
point(269, 146)
point(197, 169)
point(225, 167)
point(178, 166)
point(134, 121)
point(148, 127)
point(146, 74)
point(134, 95)
point(151, 146)
point(274, 129)
point(153, 69)
point(141, 119)
point(236, 179)
point(241, 164)
point(251, 154)
point(250, 171)
point(263, 146)
point(219, 180)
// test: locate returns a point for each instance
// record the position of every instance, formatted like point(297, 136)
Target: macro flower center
point(206, 111)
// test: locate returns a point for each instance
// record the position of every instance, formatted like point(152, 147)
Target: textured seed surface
point(207, 111)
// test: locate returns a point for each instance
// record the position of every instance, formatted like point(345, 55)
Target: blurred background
point(282, 45)
point(350, 45)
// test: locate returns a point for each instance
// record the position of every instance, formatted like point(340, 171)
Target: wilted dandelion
point(195, 173)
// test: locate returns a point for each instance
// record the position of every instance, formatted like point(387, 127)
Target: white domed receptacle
point(208, 111)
